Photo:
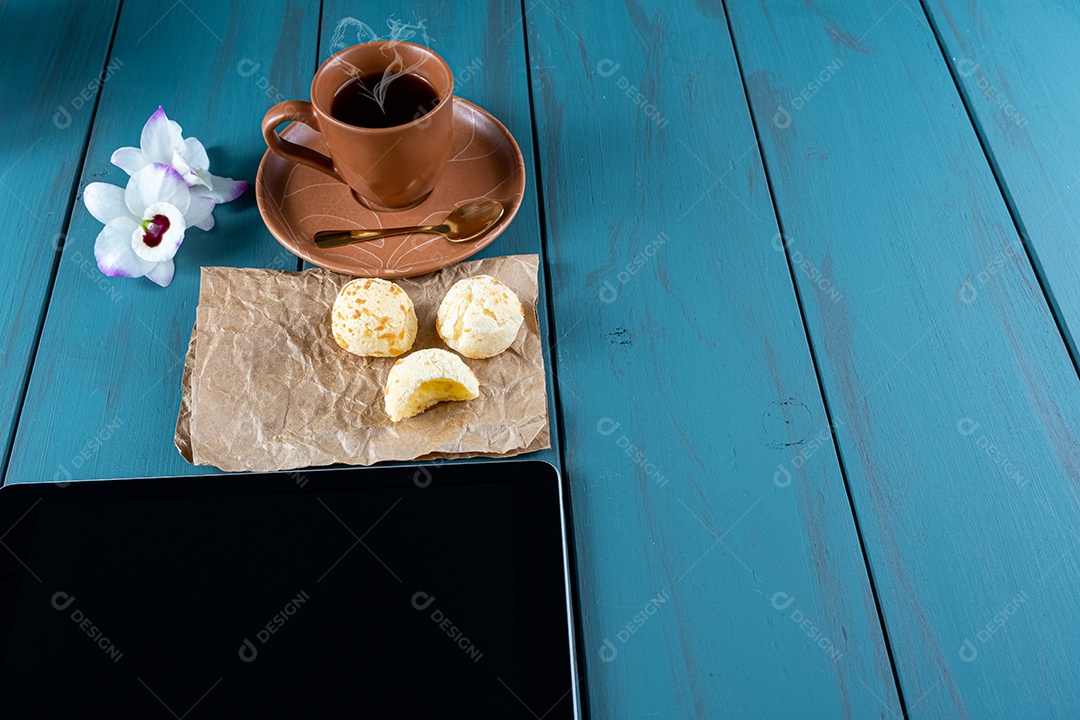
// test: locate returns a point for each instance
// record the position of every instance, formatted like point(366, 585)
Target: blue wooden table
point(812, 295)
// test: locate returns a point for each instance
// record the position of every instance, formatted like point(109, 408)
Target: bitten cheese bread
point(479, 317)
point(373, 317)
point(424, 378)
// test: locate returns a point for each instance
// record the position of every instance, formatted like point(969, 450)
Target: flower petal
point(200, 209)
point(161, 233)
point(129, 159)
point(207, 224)
point(194, 154)
point(113, 251)
point(224, 189)
point(180, 165)
point(162, 273)
point(160, 136)
point(105, 202)
point(156, 183)
point(203, 181)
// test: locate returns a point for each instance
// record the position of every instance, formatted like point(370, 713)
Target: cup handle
point(296, 111)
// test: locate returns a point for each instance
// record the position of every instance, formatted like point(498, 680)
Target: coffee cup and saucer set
point(385, 144)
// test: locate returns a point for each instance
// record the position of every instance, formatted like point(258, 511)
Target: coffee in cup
point(384, 110)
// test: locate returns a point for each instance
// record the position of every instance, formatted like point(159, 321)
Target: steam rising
point(399, 32)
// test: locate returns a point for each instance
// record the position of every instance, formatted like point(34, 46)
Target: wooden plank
point(1016, 65)
point(105, 388)
point(957, 421)
point(484, 47)
point(50, 85)
point(719, 568)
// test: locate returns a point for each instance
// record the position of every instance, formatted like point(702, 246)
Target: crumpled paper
point(265, 387)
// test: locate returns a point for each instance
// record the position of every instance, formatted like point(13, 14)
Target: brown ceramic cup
point(389, 168)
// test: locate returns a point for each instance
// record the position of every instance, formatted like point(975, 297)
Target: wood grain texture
point(51, 81)
point(484, 45)
point(719, 568)
point(957, 414)
point(1017, 66)
point(105, 390)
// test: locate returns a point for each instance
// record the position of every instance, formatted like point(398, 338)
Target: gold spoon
point(468, 222)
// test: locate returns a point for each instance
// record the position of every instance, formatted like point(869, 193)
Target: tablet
point(399, 592)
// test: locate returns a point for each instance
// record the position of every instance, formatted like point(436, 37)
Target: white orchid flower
point(163, 142)
point(145, 222)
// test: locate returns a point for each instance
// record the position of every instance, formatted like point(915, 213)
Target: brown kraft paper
point(265, 386)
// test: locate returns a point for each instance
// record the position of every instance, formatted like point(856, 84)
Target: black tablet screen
point(385, 593)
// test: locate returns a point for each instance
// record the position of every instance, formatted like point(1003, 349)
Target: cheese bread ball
point(479, 317)
point(373, 318)
point(424, 378)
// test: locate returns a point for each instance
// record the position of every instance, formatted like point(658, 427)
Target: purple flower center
point(155, 228)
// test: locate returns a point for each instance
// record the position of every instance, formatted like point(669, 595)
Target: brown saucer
point(296, 202)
